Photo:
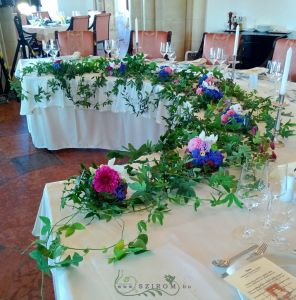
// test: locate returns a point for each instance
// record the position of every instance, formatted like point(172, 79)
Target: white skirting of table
point(57, 128)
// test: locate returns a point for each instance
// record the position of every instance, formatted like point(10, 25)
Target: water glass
point(54, 48)
point(283, 202)
point(163, 49)
point(213, 55)
point(108, 47)
point(115, 49)
point(252, 190)
point(171, 52)
point(46, 47)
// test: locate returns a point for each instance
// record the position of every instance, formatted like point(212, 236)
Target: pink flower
point(106, 180)
point(194, 143)
point(224, 119)
point(254, 130)
point(168, 69)
point(230, 112)
point(205, 146)
point(199, 91)
point(273, 156)
point(109, 68)
point(272, 145)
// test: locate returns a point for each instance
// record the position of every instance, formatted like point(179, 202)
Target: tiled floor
point(24, 171)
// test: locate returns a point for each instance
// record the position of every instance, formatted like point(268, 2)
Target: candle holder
point(233, 68)
point(277, 139)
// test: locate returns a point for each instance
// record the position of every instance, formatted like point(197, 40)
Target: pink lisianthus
point(109, 69)
point(230, 112)
point(254, 130)
point(168, 69)
point(106, 180)
point(199, 91)
point(205, 146)
point(194, 143)
point(224, 119)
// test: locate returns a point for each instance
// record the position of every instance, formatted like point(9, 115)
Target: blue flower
point(216, 157)
point(213, 93)
point(56, 65)
point(120, 191)
point(198, 159)
point(122, 68)
point(202, 79)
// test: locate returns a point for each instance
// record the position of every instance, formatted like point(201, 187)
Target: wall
point(67, 6)
point(271, 12)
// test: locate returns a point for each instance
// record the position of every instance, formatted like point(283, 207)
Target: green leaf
point(47, 225)
point(78, 226)
point(69, 231)
point(137, 186)
point(142, 226)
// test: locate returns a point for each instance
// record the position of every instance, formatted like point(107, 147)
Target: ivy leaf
point(142, 226)
point(137, 186)
point(78, 226)
point(47, 225)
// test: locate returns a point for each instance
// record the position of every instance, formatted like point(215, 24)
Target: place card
point(262, 279)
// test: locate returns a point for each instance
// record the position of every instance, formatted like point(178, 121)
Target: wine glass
point(213, 56)
point(220, 57)
point(54, 48)
point(115, 50)
point(46, 47)
point(171, 52)
point(282, 202)
point(108, 47)
point(252, 190)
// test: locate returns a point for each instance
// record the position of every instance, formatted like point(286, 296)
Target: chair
point(213, 40)
point(149, 42)
point(79, 23)
point(42, 14)
point(100, 28)
point(72, 41)
point(279, 54)
point(25, 42)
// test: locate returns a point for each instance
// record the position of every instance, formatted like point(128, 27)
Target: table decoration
point(152, 186)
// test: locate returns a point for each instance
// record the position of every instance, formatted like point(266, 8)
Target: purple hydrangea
point(120, 191)
point(213, 93)
point(122, 68)
point(216, 157)
point(211, 158)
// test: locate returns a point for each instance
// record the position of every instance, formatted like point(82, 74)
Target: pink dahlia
point(230, 112)
point(168, 69)
point(194, 143)
point(106, 180)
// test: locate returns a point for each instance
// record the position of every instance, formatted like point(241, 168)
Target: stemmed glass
point(274, 72)
point(252, 190)
point(163, 49)
point(115, 50)
point(46, 47)
point(54, 48)
point(282, 202)
point(108, 47)
point(213, 56)
point(171, 52)
point(220, 56)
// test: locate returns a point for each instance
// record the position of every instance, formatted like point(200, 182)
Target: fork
point(259, 251)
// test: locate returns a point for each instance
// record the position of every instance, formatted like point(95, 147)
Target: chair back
point(19, 28)
point(279, 54)
point(218, 40)
point(75, 41)
point(42, 14)
point(101, 27)
point(149, 42)
point(79, 23)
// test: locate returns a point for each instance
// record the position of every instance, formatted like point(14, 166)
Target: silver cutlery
point(259, 251)
point(224, 263)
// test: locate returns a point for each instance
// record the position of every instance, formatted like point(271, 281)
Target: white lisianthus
point(212, 139)
point(237, 108)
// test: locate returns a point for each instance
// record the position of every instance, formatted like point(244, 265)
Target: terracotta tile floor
point(24, 171)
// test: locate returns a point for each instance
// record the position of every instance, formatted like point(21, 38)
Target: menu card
point(263, 280)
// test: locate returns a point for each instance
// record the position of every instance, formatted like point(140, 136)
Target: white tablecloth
point(45, 32)
point(58, 123)
point(184, 247)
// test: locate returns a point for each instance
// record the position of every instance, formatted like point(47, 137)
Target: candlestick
point(233, 68)
point(236, 41)
point(283, 88)
point(137, 34)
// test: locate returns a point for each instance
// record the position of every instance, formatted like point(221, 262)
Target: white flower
point(237, 108)
point(120, 169)
point(76, 55)
point(212, 139)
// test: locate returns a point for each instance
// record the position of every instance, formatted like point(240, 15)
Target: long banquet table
point(58, 123)
point(45, 32)
point(184, 247)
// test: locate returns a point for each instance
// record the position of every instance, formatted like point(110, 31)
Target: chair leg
point(15, 59)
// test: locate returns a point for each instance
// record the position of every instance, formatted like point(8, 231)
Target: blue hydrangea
point(202, 79)
point(215, 157)
point(198, 160)
point(122, 68)
point(56, 65)
point(214, 94)
point(120, 191)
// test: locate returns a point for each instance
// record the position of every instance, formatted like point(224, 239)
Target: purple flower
point(57, 64)
point(122, 68)
point(213, 93)
point(198, 159)
point(254, 130)
point(121, 191)
point(211, 158)
point(106, 180)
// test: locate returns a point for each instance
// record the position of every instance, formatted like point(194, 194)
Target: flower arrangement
point(57, 64)
point(203, 152)
point(116, 67)
point(165, 72)
point(207, 86)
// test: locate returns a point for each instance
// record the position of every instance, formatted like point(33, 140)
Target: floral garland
point(216, 129)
